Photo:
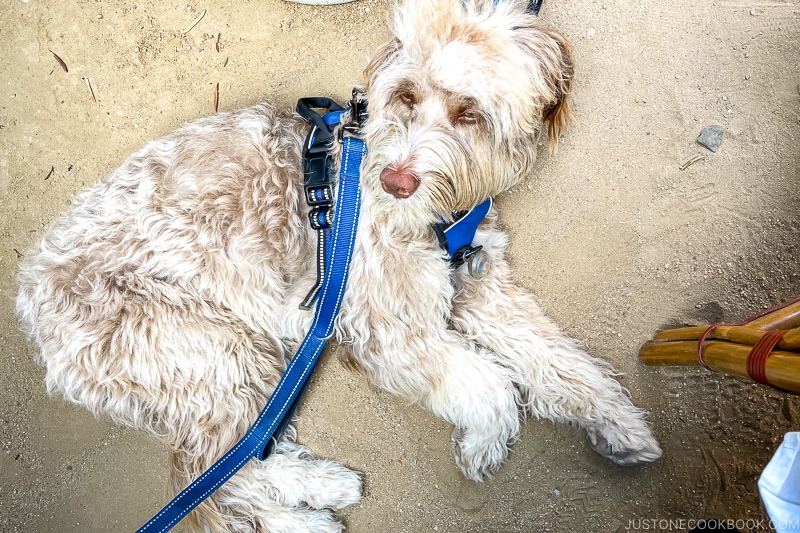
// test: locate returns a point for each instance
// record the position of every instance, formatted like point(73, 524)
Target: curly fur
point(166, 297)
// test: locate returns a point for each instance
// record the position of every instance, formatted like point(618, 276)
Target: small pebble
point(711, 137)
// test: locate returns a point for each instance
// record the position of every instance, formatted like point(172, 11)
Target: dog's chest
point(397, 276)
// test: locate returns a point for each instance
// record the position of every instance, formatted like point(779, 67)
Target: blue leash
point(257, 441)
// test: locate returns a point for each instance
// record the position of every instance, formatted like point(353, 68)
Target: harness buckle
point(321, 195)
point(320, 217)
point(317, 168)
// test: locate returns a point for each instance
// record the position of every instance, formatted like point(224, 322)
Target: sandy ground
point(615, 240)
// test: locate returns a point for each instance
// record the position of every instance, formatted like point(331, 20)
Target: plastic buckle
point(320, 217)
point(319, 195)
point(317, 170)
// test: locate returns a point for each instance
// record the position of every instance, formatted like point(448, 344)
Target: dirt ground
point(616, 241)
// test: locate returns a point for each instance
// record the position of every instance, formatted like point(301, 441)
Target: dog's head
point(459, 100)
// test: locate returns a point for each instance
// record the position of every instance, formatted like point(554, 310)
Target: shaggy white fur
point(166, 297)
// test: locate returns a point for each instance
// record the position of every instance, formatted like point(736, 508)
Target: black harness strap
point(534, 6)
point(318, 180)
point(318, 169)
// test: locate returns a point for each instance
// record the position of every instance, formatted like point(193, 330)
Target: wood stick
point(792, 337)
point(738, 334)
point(782, 368)
point(786, 318)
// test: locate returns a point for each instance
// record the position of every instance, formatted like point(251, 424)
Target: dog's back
point(146, 282)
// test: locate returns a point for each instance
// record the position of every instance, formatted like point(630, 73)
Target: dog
point(167, 297)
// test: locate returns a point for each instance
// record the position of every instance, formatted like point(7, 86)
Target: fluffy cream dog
point(166, 297)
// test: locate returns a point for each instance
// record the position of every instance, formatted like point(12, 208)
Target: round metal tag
point(478, 264)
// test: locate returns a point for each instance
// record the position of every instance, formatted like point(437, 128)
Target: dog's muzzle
point(399, 183)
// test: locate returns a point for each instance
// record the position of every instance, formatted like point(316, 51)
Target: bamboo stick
point(782, 368)
point(792, 337)
point(785, 318)
point(737, 334)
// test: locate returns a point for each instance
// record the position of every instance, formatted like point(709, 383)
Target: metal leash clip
point(358, 115)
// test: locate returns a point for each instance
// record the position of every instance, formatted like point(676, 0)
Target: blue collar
point(457, 237)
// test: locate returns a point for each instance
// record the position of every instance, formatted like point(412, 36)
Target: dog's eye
point(467, 116)
point(408, 98)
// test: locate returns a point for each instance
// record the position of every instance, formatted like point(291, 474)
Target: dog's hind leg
point(194, 376)
point(237, 369)
point(291, 491)
point(558, 380)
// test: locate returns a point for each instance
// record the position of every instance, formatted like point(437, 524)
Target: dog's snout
point(399, 183)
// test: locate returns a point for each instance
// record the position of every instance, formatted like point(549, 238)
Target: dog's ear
point(558, 113)
point(381, 58)
point(553, 73)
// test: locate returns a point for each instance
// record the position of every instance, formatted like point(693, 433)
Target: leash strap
point(318, 169)
point(260, 438)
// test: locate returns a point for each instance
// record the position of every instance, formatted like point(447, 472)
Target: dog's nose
point(399, 183)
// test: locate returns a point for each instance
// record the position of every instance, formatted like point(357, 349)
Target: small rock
point(711, 137)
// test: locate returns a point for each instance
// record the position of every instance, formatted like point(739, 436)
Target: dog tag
point(478, 264)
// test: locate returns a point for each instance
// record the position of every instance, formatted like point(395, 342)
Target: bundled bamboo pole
point(782, 368)
point(738, 334)
point(739, 349)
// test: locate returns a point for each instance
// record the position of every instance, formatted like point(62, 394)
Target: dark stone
point(711, 137)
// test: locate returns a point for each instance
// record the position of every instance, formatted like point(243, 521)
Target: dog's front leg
point(441, 370)
point(558, 380)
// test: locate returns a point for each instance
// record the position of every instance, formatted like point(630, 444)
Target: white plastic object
point(779, 485)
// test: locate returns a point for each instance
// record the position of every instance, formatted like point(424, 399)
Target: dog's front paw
point(476, 457)
point(625, 449)
point(334, 486)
